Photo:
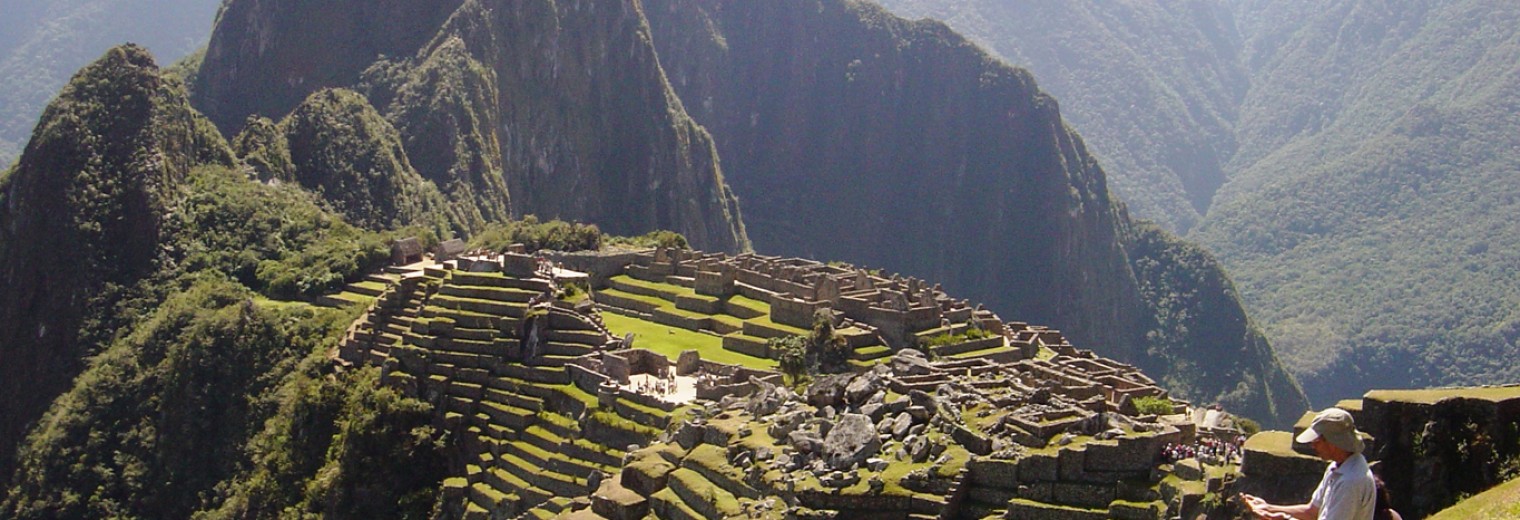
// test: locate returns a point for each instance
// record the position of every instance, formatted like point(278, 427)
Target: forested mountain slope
point(1365, 201)
point(132, 248)
point(1153, 86)
point(82, 219)
point(1370, 219)
point(42, 42)
point(901, 144)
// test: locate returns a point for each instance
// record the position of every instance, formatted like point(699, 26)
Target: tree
point(832, 352)
point(791, 352)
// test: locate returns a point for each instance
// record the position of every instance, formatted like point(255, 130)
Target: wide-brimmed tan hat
point(1337, 427)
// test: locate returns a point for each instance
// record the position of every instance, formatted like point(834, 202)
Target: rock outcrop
point(510, 107)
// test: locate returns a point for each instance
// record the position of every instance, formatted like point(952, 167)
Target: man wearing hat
point(1347, 492)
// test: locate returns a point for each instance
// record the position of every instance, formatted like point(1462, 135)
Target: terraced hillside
point(543, 376)
point(528, 434)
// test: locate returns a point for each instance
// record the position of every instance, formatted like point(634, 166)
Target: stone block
point(1126, 454)
point(1023, 510)
point(1188, 469)
point(690, 361)
point(1038, 468)
point(1136, 510)
point(993, 472)
point(615, 502)
point(1083, 495)
point(1070, 464)
point(1038, 491)
point(1136, 491)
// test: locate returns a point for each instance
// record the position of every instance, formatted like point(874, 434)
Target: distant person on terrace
point(1347, 491)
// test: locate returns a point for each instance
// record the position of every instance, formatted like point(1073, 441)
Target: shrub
point(1147, 405)
point(1248, 426)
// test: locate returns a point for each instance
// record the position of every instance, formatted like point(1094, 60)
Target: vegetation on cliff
point(340, 148)
point(901, 144)
point(121, 223)
point(1152, 86)
point(1203, 341)
point(82, 220)
point(1360, 155)
point(1368, 227)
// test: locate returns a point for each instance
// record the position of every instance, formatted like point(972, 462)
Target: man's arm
point(1262, 509)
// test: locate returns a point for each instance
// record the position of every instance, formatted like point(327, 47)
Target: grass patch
point(1274, 442)
point(725, 502)
point(616, 421)
point(369, 284)
point(666, 288)
point(652, 300)
point(788, 329)
point(1436, 395)
point(980, 353)
point(353, 298)
point(671, 341)
point(1500, 502)
point(281, 305)
point(749, 303)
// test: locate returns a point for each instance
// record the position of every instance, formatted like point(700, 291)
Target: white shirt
point(1347, 492)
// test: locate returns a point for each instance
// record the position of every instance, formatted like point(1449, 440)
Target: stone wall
point(718, 283)
point(1272, 470)
point(1439, 445)
point(795, 312)
point(522, 266)
point(616, 367)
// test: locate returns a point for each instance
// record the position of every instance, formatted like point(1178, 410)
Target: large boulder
point(851, 441)
point(901, 424)
point(909, 362)
point(689, 362)
point(807, 442)
point(864, 386)
point(828, 390)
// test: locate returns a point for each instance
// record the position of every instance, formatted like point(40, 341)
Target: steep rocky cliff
point(80, 221)
point(1153, 86)
point(901, 144)
point(511, 107)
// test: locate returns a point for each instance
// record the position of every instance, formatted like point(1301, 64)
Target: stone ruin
point(830, 447)
point(1040, 421)
point(893, 309)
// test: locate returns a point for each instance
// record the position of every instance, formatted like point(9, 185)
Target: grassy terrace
point(671, 341)
point(1432, 396)
point(1274, 442)
point(281, 305)
point(372, 285)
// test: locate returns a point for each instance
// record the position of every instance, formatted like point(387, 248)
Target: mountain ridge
point(475, 88)
point(1362, 192)
point(901, 144)
point(111, 150)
